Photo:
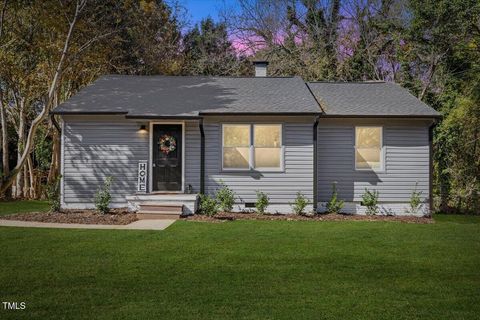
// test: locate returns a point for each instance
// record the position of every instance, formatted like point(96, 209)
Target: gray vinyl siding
point(281, 187)
point(192, 155)
point(406, 148)
point(94, 150)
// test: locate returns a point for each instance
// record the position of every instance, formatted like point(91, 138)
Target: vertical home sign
point(142, 176)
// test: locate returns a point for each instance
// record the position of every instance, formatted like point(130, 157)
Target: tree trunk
point(3, 121)
point(54, 164)
point(55, 161)
point(46, 108)
point(5, 154)
point(31, 190)
point(2, 15)
point(20, 182)
point(25, 182)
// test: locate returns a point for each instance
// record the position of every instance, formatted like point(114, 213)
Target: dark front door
point(167, 157)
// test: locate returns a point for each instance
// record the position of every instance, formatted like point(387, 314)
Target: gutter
point(88, 113)
point(382, 116)
point(202, 157)
point(323, 114)
point(259, 113)
point(162, 117)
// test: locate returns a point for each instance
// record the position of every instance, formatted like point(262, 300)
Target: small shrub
point(370, 200)
point(334, 205)
point(225, 198)
point(262, 202)
point(415, 200)
point(103, 196)
point(300, 203)
point(208, 205)
point(53, 194)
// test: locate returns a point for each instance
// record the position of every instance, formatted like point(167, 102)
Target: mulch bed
point(116, 216)
point(230, 216)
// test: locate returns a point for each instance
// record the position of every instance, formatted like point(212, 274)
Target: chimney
point(260, 68)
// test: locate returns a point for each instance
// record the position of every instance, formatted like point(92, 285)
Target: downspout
point(315, 166)
point(315, 148)
point(202, 157)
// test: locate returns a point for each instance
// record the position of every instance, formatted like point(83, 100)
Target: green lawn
point(11, 207)
point(246, 270)
point(457, 218)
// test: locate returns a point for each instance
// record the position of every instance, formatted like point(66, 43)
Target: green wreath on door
point(167, 143)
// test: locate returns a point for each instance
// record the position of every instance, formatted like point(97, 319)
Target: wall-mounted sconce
point(143, 128)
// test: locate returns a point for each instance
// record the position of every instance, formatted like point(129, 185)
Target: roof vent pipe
point(260, 68)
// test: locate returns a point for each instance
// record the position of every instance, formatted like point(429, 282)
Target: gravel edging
point(230, 216)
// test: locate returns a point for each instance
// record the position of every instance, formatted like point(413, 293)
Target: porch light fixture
point(143, 128)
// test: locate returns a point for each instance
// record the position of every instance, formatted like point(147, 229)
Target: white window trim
point(250, 153)
point(268, 169)
point(382, 151)
point(251, 162)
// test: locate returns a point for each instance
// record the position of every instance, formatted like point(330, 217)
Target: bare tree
point(8, 180)
point(3, 123)
point(3, 118)
point(298, 37)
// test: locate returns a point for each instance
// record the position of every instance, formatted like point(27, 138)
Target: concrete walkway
point(137, 225)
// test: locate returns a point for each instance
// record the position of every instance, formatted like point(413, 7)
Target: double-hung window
point(368, 148)
point(252, 147)
point(267, 146)
point(236, 146)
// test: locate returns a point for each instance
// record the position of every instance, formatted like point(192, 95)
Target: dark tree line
point(430, 47)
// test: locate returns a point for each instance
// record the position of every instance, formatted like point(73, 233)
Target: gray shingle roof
point(368, 99)
point(152, 96)
point(170, 96)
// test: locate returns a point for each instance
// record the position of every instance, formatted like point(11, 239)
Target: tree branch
point(2, 16)
point(6, 183)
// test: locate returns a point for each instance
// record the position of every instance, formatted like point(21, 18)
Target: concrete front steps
point(162, 205)
point(160, 211)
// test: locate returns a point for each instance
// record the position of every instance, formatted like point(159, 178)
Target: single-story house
point(166, 139)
